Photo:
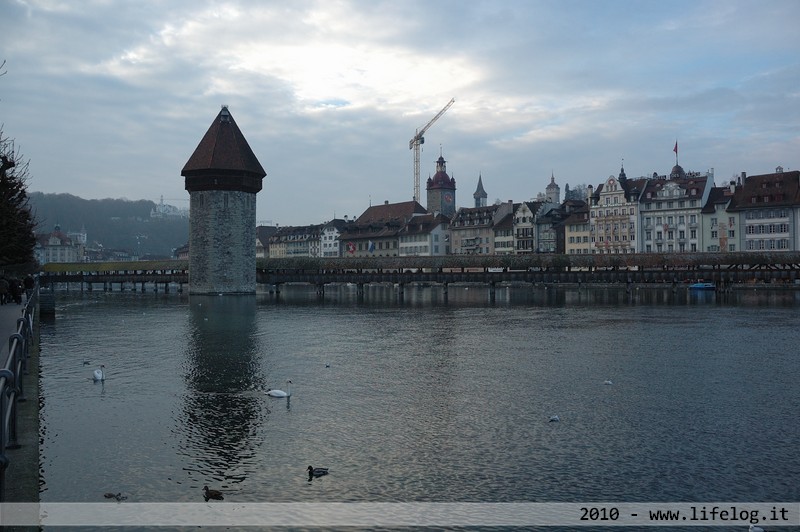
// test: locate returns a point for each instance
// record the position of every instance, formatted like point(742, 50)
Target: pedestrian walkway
point(9, 313)
point(22, 474)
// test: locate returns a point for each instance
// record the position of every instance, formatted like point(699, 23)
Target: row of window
point(780, 243)
point(669, 205)
point(760, 229)
point(759, 214)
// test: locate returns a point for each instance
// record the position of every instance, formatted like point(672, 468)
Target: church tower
point(441, 190)
point(553, 191)
point(480, 194)
point(223, 177)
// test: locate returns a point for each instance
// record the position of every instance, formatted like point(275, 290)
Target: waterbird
point(118, 496)
point(608, 382)
point(99, 374)
point(754, 528)
point(316, 471)
point(212, 494)
point(281, 393)
point(555, 418)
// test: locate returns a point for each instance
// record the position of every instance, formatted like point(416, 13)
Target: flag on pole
point(675, 149)
point(371, 246)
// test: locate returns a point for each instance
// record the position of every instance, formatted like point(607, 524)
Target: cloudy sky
point(109, 98)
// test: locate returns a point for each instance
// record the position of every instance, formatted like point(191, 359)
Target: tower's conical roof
point(223, 151)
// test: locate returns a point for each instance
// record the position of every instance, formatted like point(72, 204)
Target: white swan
point(281, 393)
point(608, 382)
point(99, 374)
point(754, 528)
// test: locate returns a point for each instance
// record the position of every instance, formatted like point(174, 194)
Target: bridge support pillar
point(166, 288)
point(401, 291)
point(360, 290)
point(143, 289)
point(320, 289)
point(492, 292)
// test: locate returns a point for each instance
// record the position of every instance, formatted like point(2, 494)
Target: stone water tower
point(223, 177)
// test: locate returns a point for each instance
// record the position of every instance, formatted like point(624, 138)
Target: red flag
point(675, 149)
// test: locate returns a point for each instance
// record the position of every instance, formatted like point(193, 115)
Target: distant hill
point(114, 223)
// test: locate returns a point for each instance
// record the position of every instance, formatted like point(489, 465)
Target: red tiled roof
point(767, 190)
point(223, 148)
point(387, 212)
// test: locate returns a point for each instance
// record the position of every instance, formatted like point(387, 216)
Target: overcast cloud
point(108, 99)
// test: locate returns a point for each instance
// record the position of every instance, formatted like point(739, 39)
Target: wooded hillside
point(113, 223)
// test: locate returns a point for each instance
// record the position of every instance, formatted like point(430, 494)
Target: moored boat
point(702, 286)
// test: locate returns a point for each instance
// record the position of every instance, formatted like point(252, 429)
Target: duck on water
point(212, 494)
point(316, 472)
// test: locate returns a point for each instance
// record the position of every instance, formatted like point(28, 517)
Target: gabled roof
point(388, 212)
point(424, 224)
point(717, 195)
point(223, 147)
point(768, 190)
point(691, 182)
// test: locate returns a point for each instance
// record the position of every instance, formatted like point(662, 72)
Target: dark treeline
point(113, 223)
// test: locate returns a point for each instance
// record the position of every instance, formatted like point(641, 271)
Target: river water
point(424, 399)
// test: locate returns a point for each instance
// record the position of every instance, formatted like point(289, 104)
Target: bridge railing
point(12, 388)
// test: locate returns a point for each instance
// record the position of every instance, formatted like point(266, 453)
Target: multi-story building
point(296, 241)
point(577, 233)
point(718, 225)
point(614, 213)
point(57, 247)
point(330, 243)
point(263, 234)
point(525, 216)
point(472, 228)
point(376, 232)
point(768, 211)
point(425, 235)
point(504, 235)
point(670, 210)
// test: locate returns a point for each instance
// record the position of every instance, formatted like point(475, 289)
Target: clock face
point(448, 198)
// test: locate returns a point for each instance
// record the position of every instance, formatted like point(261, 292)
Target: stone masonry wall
point(222, 242)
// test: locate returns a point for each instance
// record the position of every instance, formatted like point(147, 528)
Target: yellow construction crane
point(418, 140)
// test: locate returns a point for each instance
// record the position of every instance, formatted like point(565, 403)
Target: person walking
point(4, 286)
point(29, 283)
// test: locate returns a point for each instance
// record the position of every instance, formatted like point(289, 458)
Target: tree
point(17, 238)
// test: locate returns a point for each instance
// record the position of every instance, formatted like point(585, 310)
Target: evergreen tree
point(17, 239)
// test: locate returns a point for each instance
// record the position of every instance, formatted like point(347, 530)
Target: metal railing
point(12, 388)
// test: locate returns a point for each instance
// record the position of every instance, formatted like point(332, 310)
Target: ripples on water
point(423, 399)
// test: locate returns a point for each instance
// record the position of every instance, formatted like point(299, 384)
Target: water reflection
point(223, 407)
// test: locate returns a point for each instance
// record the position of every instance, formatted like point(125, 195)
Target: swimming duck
point(212, 494)
point(316, 471)
point(99, 374)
